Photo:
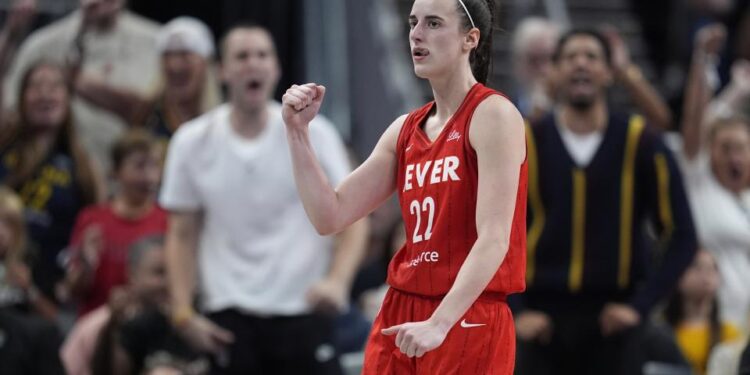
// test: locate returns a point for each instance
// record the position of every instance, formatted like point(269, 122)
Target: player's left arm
point(497, 136)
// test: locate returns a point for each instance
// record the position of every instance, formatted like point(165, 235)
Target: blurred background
point(359, 50)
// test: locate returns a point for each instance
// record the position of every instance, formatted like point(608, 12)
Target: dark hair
point(241, 25)
point(482, 13)
point(136, 140)
point(583, 32)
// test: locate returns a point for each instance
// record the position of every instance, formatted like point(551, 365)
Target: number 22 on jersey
point(417, 208)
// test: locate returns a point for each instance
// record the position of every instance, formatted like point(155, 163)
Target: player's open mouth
point(419, 52)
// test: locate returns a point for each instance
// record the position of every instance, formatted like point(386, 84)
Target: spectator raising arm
point(708, 43)
point(644, 95)
point(735, 98)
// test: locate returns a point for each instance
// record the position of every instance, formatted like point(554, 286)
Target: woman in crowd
point(41, 158)
point(693, 313)
point(716, 167)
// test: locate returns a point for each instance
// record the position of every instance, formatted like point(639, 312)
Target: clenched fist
point(301, 104)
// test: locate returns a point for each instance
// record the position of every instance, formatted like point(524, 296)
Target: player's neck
point(248, 122)
point(583, 121)
point(449, 93)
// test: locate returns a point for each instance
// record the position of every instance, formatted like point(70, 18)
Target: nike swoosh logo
point(464, 324)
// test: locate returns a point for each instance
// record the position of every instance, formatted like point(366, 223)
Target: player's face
point(436, 37)
point(185, 73)
point(250, 68)
point(583, 71)
point(45, 97)
point(730, 156)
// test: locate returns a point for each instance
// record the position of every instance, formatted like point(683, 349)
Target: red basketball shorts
point(482, 342)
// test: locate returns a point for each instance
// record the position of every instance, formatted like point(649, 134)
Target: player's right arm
point(332, 209)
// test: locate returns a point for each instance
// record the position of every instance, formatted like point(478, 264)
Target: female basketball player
point(458, 165)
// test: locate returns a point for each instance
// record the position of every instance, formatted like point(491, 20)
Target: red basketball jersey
point(437, 189)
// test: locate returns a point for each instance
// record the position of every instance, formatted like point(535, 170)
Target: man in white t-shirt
point(266, 278)
point(120, 49)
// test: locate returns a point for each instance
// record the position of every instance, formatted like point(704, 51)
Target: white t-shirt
point(581, 147)
point(124, 57)
point(723, 226)
point(257, 251)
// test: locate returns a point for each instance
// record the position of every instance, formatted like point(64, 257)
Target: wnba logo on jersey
point(440, 170)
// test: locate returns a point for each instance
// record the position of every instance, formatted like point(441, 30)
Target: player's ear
point(471, 39)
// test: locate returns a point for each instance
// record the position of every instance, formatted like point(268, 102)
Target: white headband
point(467, 13)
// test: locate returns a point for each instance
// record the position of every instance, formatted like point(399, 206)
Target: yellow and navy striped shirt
point(588, 229)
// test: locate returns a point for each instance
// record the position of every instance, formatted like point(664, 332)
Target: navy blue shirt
point(52, 199)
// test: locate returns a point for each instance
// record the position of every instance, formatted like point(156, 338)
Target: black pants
point(745, 361)
point(578, 347)
point(276, 345)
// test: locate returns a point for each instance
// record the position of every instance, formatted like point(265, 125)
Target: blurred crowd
point(149, 221)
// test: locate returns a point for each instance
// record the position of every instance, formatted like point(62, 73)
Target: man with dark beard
point(596, 179)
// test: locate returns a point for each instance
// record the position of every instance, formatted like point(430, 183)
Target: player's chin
point(423, 71)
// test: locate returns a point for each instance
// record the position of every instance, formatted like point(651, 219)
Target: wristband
point(182, 316)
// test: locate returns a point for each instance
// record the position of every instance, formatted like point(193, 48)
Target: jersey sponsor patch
point(454, 136)
point(424, 257)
